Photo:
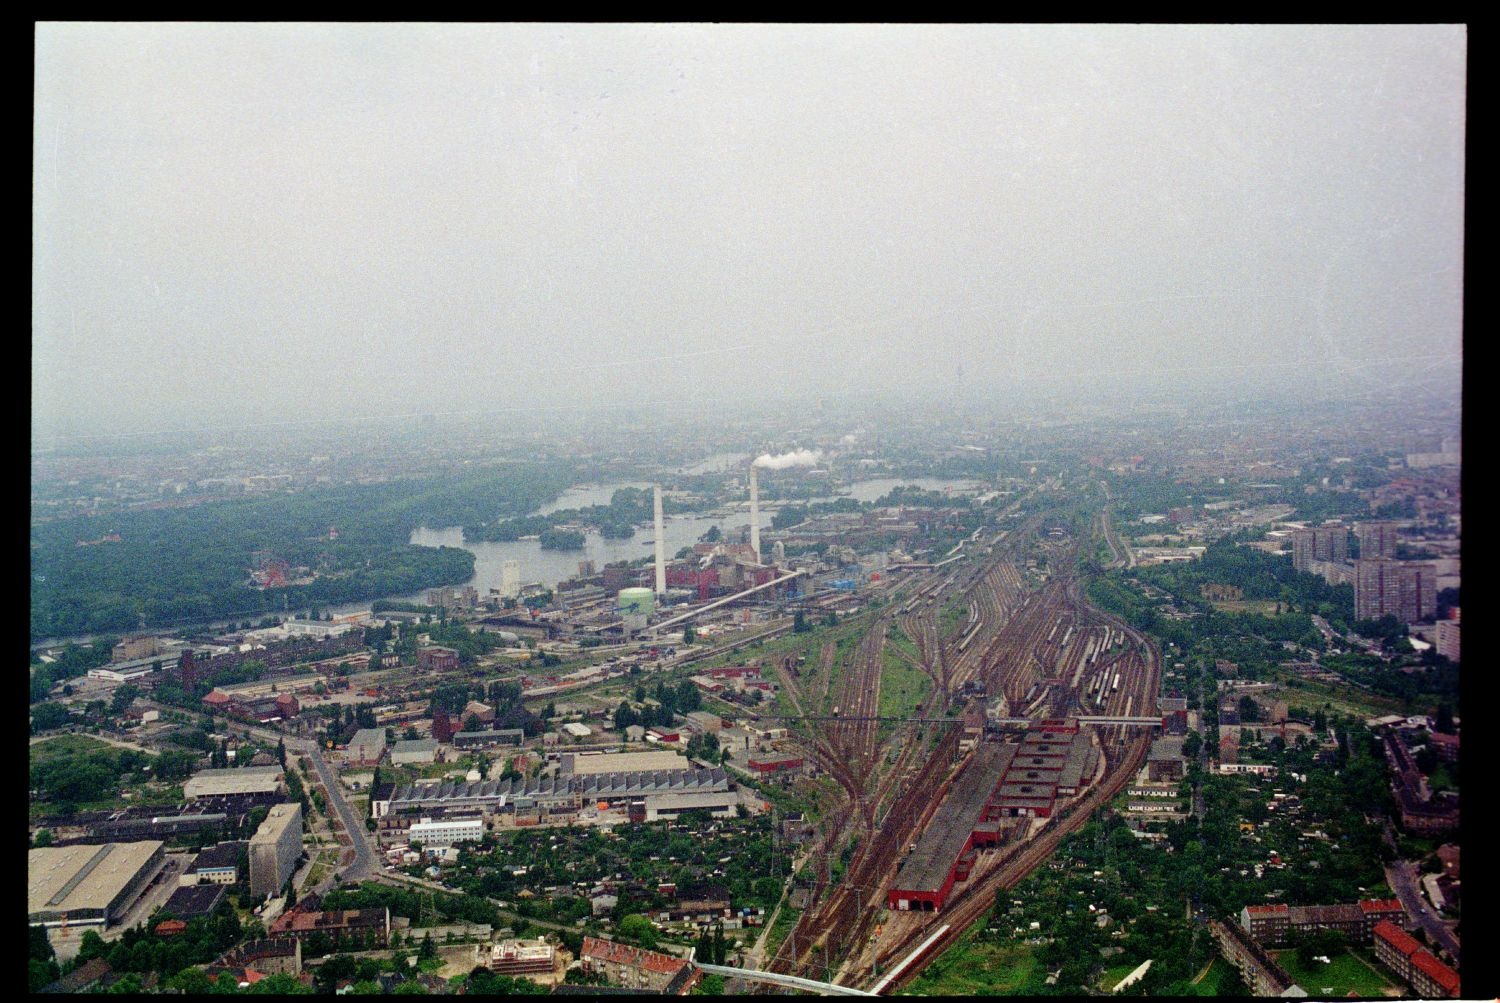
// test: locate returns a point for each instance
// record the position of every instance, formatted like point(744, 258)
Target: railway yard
point(1040, 709)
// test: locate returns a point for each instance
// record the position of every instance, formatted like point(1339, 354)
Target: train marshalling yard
point(977, 789)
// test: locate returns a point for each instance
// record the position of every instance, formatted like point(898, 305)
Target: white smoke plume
point(796, 458)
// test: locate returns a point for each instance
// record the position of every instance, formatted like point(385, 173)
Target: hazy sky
point(238, 224)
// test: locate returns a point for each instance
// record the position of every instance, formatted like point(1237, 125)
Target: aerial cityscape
point(747, 509)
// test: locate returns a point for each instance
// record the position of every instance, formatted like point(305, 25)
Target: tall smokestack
point(754, 514)
point(661, 547)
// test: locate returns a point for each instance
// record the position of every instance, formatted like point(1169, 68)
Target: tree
point(46, 716)
point(123, 696)
point(689, 635)
point(637, 928)
point(43, 838)
point(799, 623)
point(191, 982)
point(428, 950)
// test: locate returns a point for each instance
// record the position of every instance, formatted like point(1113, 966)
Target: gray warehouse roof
point(83, 876)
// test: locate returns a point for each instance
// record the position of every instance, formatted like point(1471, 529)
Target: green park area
point(1345, 973)
point(975, 967)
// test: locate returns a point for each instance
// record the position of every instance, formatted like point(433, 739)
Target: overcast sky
point(236, 224)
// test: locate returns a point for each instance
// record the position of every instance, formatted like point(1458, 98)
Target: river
point(552, 566)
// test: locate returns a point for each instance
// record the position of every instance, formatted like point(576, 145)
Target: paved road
point(363, 865)
point(1403, 876)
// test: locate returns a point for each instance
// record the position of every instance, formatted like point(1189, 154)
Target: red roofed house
point(1431, 979)
point(1266, 923)
point(170, 928)
point(1401, 953)
point(1377, 910)
point(638, 968)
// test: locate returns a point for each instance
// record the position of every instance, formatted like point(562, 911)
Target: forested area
point(187, 564)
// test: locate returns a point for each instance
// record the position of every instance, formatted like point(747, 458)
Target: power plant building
point(274, 849)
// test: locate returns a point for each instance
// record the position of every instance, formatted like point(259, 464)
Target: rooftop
point(610, 952)
point(928, 866)
point(277, 820)
point(83, 876)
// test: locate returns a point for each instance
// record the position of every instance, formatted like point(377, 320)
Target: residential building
point(437, 658)
point(1258, 970)
point(1320, 543)
point(1376, 540)
point(275, 848)
point(1406, 590)
point(371, 925)
point(1428, 977)
point(638, 968)
point(1447, 639)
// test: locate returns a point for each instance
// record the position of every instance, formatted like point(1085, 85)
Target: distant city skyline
point(249, 226)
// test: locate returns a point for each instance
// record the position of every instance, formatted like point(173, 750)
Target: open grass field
point(1346, 973)
point(903, 686)
point(972, 968)
point(1265, 607)
point(63, 746)
point(1312, 695)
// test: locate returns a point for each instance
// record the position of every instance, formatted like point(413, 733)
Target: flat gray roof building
point(244, 780)
point(87, 882)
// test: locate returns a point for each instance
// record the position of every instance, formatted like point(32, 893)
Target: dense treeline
point(187, 564)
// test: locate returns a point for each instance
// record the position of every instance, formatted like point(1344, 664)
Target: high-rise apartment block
point(1406, 590)
point(274, 849)
point(1320, 543)
point(1376, 539)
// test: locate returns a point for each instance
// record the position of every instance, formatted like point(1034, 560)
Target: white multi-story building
point(446, 831)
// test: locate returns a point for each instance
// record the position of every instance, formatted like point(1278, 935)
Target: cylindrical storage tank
point(637, 601)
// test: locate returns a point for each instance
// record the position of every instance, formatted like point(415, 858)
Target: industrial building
point(718, 804)
point(522, 957)
point(418, 750)
point(245, 780)
point(366, 747)
point(88, 883)
point(275, 848)
point(928, 873)
point(216, 865)
point(482, 739)
point(438, 659)
point(547, 792)
point(446, 831)
point(191, 901)
point(586, 764)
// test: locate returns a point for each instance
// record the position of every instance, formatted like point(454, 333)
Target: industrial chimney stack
point(754, 514)
point(661, 546)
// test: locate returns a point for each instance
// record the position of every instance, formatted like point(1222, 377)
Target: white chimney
point(754, 514)
point(661, 547)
